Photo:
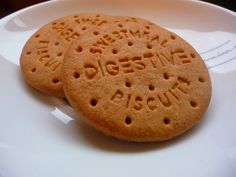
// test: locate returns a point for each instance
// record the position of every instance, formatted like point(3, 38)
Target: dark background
point(9, 6)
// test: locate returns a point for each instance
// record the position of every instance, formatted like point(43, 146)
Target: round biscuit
point(136, 81)
point(42, 56)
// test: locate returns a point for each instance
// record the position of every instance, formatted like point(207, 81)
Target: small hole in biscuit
point(172, 36)
point(54, 23)
point(59, 54)
point(95, 33)
point(84, 28)
point(79, 49)
point(114, 51)
point(147, 27)
point(151, 87)
point(56, 43)
point(193, 104)
point(128, 120)
point(28, 53)
point(130, 43)
point(76, 75)
point(93, 102)
point(75, 16)
point(97, 15)
point(120, 25)
point(55, 80)
point(192, 55)
point(33, 70)
point(166, 120)
point(37, 36)
point(149, 46)
point(201, 79)
point(166, 76)
point(128, 84)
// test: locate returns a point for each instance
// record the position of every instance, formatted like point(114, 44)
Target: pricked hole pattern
point(172, 36)
point(55, 80)
point(28, 53)
point(76, 75)
point(149, 46)
point(56, 43)
point(128, 84)
point(79, 49)
point(193, 103)
point(59, 54)
point(37, 35)
point(33, 70)
point(166, 120)
point(166, 76)
point(128, 120)
point(84, 28)
point(93, 102)
point(201, 79)
point(114, 51)
point(130, 43)
point(147, 27)
point(192, 55)
point(120, 25)
point(95, 32)
point(151, 87)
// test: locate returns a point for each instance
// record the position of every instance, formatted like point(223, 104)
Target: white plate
point(40, 138)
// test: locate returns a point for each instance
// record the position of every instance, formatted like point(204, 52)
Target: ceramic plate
point(41, 136)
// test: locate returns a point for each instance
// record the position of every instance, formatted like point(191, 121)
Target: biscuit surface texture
point(43, 54)
point(136, 81)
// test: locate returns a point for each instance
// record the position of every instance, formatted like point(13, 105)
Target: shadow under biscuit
point(37, 95)
point(98, 140)
point(16, 84)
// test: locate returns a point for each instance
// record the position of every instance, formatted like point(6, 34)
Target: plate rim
point(55, 1)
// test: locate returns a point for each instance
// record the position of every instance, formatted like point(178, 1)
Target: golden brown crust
point(136, 81)
point(43, 54)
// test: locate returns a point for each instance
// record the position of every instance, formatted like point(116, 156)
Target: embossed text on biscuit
point(44, 56)
point(154, 100)
point(65, 31)
point(127, 65)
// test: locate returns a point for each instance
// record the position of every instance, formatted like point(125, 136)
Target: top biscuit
point(43, 54)
point(136, 81)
